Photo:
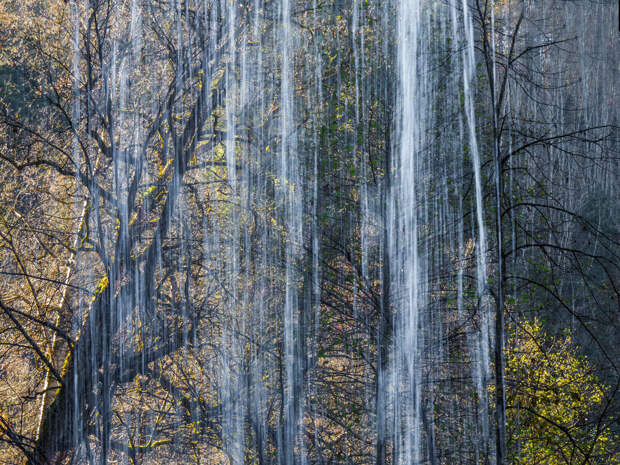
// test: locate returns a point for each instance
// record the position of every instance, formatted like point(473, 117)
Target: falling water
point(418, 234)
point(406, 197)
point(286, 202)
point(480, 340)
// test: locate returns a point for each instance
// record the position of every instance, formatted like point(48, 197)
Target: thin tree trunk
point(383, 334)
point(59, 349)
point(500, 394)
point(489, 58)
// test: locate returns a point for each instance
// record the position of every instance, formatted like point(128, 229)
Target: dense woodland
point(309, 232)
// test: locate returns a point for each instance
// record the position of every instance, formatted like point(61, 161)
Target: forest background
point(200, 247)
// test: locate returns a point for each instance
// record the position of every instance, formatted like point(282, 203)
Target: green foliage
point(553, 398)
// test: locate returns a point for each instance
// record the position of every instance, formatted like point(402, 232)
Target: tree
point(556, 404)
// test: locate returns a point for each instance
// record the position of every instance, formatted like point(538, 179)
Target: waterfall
point(262, 227)
point(405, 212)
point(417, 235)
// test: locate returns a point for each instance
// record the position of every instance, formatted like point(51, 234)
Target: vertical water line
point(291, 198)
point(407, 208)
point(481, 342)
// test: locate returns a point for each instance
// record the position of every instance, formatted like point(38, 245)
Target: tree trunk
point(59, 349)
point(385, 317)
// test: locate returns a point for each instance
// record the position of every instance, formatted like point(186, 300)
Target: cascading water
point(480, 339)
point(290, 199)
point(406, 198)
point(280, 228)
point(229, 245)
point(417, 236)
